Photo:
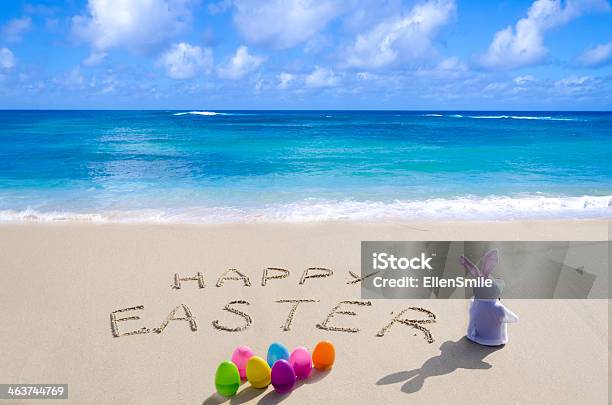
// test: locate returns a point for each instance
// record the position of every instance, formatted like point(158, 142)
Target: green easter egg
point(227, 379)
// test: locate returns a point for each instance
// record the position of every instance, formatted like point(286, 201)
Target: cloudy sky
point(302, 54)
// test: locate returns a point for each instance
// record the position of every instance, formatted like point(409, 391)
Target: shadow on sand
point(249, 393)
point(453, 355)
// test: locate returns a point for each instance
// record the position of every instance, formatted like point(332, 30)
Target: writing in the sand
point(416, 318)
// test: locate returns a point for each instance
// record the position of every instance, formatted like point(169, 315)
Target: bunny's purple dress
point(488, 318)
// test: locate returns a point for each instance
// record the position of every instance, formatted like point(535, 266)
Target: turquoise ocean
point(259, 166)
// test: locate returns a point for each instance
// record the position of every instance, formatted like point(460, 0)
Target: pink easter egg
point(240, 358)
point(301, 362)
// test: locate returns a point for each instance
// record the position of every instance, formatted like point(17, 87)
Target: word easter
point(244, 320)
point(384, 261)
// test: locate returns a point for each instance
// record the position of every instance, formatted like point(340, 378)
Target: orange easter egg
point(323, 355)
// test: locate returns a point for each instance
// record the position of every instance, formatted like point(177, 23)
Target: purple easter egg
point(240, 358)
point(283, 376)
point(301, 362)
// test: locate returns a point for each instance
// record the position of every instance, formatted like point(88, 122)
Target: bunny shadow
point(454, 355)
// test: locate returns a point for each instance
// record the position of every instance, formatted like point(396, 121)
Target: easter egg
point(276, 352)
point(301, 362)
point(227, 379)
point(323, 355)
point(240, 358)
point(283, 376)
point(258, 372)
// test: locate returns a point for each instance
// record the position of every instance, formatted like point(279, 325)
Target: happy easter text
point(125, 321)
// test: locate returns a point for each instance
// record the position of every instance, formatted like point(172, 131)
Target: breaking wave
point(505, 117)
point(206, 113)
point(521, 117)
point(313, 210)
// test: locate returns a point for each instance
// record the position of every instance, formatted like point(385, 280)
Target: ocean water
point(249, 166)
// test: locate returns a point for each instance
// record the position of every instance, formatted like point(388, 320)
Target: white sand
point(60, 283)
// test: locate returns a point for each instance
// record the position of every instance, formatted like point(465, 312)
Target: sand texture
point(135, 314)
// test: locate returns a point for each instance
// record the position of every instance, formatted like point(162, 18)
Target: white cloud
point(7, 59)
point(75, 77)
point(184, 61)
point(366, 76)
point(401, 38)
point(321, 77)
point(109, 84)
point(284, 79)
point(523, 44)
point(596, 57)
point(240, 64)
point(577, 86)
point(452, 63)
point(526, 79)
point(13, 30)
point(495, 87)
point(94, 58)
point(318, 43)
point(573, 85)
point(283, 23)
point(134, 24)
point(72, 80)
point(449, 68)
point(258, 85)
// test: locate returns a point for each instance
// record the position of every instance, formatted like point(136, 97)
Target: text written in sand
point(123, 320)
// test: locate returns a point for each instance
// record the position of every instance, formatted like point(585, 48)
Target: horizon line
point(300, 110)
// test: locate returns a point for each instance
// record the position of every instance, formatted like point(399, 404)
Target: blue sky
point(301, 54)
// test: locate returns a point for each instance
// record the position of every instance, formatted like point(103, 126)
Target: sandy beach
point(61, 282)
point(419, 190)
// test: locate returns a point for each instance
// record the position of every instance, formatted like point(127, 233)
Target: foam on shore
point(317, 210)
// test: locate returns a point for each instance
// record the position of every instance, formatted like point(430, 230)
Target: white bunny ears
point(487, 264)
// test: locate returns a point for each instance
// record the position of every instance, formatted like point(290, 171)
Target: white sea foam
point(521, 117)
point(206, 113)
point(312, 210)
point(507, 117)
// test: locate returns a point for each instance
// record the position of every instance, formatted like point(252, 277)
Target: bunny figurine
point(488, 316)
